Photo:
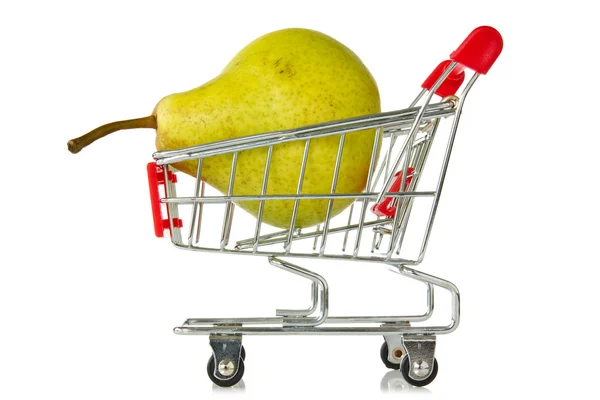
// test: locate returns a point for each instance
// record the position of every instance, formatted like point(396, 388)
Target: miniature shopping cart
point(389, 222)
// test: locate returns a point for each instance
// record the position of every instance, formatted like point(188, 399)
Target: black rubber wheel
point(405, 367)
point(210, 369)
point(243, 353)
point(384, 357)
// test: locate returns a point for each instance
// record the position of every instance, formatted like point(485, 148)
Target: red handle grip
point(387, 207)
point(479, 50)
point(450, 84)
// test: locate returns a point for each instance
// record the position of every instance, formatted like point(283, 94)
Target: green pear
point(285, 79)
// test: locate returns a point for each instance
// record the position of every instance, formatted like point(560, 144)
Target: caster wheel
point(384, 357)
point(243, 355)
point(405, 369)
point(210, 369)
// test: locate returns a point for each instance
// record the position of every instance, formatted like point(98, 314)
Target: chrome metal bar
point(395, 131)
point(334, 180)
point(379, 118)
point(270, 253)
point(314, 298)
point(316, 234)
point(394, 230)
point(413, 184)
point(416, 100)
point(288, 243)
point(402, 205)
point(261, 237)
point(421, 159)
point(316, 237)
point(319, 330)
point(229, 205)
point(347, 223)
point(263, 192)
point(317, 280)
point(442, 177)
point(402, 229)
point(368, 188)
point(200, 211)
point(388, 158)
point(404, 117)
point(358, 196)
point(434, 280)
point(402, 208)
point(234, 321)
point(196, 206)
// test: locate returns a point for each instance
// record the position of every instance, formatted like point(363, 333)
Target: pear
point(282, 80)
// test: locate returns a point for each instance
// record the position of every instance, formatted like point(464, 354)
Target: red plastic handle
point(387, 208)
point(479, 50)
point(156, 177)
point(450, 84)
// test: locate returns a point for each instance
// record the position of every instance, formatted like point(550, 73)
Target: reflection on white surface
point(393, 381)
point(239, 387)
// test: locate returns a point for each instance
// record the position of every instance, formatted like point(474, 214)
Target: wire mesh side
point(401, 147)
point(350, 226)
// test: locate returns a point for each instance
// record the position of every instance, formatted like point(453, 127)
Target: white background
point(89, 297)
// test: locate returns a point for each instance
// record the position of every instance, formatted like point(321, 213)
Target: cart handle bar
point(477, 52)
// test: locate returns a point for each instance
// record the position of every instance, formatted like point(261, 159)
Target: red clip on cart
point(396, 209)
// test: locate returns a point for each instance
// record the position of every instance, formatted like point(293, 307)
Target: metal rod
point(229, 205)
point(261, 237)
point(405, 117)
point(416, 100)
point(319, 330)
point(348, 223)
point(368, 188)
point(263, 192)
point(336, 172)
point(316, 234)
point(348, 257)
point(316, 237)
point(193, 220)
point(314, 297)
point(288, 243)
point(358, 196)
point(200, 211)
point(442, 177)
point(317, 280)
point(421, 159)
point(402, 204)
point(378, 119)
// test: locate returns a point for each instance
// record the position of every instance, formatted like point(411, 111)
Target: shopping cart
point(393, 208)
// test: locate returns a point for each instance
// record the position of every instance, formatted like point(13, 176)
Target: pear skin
point(282, 80)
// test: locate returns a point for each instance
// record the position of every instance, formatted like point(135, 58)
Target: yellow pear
point(285, 79)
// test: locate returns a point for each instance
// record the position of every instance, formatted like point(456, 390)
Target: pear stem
point(75, 145)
